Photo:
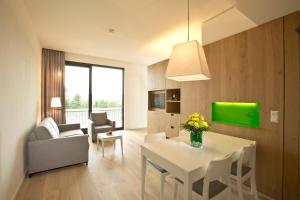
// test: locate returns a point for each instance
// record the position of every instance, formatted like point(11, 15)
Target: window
point(77, 95)
point(107, 87)
point(94, 88)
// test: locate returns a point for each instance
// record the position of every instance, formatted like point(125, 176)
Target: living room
point(87, 86)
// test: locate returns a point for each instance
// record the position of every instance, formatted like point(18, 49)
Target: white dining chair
point(215, 184)
point(244, 168)
point(163, 173)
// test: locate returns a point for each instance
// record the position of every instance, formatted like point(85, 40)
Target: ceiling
point(144, 30)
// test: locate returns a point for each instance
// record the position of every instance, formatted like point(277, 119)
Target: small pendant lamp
point(188, 61)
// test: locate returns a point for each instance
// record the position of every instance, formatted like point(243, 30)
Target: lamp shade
point(188, 62)
point(55, 102)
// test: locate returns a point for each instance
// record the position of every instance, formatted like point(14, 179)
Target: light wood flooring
point(110, 178)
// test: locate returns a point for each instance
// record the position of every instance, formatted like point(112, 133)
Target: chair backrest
point(218, 169)
point(155, 137)
point(247, 156)
point(99, 118)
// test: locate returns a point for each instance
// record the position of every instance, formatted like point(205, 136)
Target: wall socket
point(274, 116)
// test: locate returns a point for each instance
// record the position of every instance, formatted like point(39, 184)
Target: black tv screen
point(158, 100)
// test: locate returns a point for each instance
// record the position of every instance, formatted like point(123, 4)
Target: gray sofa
point(100, 124)
point(52, 146)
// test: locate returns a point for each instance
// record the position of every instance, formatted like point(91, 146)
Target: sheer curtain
point(53, 75)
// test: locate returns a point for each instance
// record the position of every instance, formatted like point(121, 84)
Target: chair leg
point(143, 176)
point(240, 189)
point(175, 190)
point(162, 186)
point(253, 186)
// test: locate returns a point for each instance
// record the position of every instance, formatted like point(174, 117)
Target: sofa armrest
point(68, 127)
point(58, 152)
point(112, 123)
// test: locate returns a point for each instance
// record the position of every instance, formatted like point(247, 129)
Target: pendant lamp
point(188, 61)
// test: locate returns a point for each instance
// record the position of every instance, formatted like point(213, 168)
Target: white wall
point(20, 59)
point(135, 88)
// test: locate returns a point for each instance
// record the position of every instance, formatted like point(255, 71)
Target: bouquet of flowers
point(195, 123)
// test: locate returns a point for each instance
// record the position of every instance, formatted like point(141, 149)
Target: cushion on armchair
point(100, 124)
point(103, 128)
point(99, 118)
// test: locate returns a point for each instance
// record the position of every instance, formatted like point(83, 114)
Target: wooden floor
point(109, 178)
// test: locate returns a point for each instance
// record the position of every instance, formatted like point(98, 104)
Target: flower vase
point(196, 138)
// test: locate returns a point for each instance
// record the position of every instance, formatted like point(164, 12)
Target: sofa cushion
point(45, 130)
point(99, 118)
point(53, 124)
point(103, 128)
point(71, 133)
point(42, 133)
point(32, 136)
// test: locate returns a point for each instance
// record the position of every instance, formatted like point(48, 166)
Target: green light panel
point(242, 114)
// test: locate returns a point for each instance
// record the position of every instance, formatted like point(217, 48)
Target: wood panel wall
point(291, 182)
point(247, 67)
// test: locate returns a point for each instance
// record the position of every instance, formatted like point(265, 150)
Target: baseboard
point(19, 185)
point(265, 196)
point(260, 194)
point(136, 129)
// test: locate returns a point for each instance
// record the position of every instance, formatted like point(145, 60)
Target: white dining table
point(188, 163)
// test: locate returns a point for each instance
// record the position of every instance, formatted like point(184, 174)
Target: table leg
point(253, 186)
point(143, 175)
point(102, 148)
point(122, 145)
point(187, 190)
point(97, 143)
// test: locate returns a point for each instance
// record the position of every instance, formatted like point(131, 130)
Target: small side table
point(103, 137)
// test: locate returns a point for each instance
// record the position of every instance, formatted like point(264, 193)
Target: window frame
point(90, 100)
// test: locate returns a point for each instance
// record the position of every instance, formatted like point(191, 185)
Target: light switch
point(274, 116)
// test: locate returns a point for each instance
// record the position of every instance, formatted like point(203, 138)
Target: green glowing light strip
point(236, 113)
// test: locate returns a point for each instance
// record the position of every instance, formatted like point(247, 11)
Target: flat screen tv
point(157, 99)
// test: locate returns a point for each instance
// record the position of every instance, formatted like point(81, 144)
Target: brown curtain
point(53, 76)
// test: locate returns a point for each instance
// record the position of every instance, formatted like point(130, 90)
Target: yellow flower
point(205, 124)
point(195, 119)
point(196, 125)
point(191, 123)
point(196, 115)
point(201, 117)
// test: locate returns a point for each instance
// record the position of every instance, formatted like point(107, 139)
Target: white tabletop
point(180, 152)
point(106, 136)
point(186, 162)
